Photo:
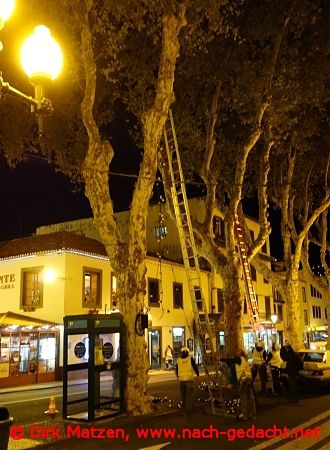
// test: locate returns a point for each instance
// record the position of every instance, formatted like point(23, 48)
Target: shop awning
point(10, 319)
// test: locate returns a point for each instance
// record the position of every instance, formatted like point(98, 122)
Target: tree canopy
point(249, 86)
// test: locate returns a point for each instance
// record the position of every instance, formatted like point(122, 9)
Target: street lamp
point(42, 60)
point(273, 318)
point(6, 9)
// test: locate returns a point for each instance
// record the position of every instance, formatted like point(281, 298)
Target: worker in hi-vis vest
point(244, 379)
point(186, 369)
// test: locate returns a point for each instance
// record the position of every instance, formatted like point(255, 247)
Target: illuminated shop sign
point(7, 281)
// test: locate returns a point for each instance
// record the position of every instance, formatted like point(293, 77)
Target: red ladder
point(251, 299)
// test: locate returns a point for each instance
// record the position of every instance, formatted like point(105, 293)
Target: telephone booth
point(93, 384)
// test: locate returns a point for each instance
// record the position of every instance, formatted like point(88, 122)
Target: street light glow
point(273, 318)
point(41, 56)
point(49, 276)
point(6, 10)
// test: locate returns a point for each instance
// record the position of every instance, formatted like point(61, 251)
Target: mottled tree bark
point(233, 295)
point(293, 313)
point(128, 259)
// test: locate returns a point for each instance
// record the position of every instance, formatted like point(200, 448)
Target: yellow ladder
point(251, 299)
point(189, 252)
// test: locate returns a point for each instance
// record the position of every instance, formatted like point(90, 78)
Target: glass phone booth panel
point(92, 368)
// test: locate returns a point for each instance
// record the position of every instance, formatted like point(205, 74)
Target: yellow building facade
point(64, 270)
point(314, 317)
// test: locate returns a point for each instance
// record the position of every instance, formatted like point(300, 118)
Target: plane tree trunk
point(231, 276)
point(127, 259)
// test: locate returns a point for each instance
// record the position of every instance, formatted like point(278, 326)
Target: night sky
point(35, 194)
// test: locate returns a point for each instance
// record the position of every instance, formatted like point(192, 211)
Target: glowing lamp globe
point(49, 276)
point(273, 318)
point(6, 9)
point(41, 56)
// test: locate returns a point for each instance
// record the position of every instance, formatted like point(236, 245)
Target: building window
point(92, 281)
point(221, 338)
point(27, 353)
point(304, 294)
point(253, 273)
point(277, 296)
point(179, 338)
point(153, 291)
point(218, 228)
point(47, 353)
point(278, 310)
point(315, 293)
point(325, 313)
point(220, 299)
point(198, 298)
point(267, 308)
point(177, 295)
point(279, 313)
point(305, 317)
point(32, 289)
point(245, 307)
point(317, 312)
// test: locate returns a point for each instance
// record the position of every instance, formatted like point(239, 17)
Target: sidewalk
point(163, 374)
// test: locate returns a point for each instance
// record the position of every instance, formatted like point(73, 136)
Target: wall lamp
point(42, 60)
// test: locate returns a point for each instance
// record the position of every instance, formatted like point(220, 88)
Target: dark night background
point(35, 194)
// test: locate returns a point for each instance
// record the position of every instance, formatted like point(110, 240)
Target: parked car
point(316, 368)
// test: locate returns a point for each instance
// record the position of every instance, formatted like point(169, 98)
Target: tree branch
point(303, 233)
point(153, 125)
point(206, 173)
point(285, 205)
point(99, 153)
point(255, 135)
point(265, 229)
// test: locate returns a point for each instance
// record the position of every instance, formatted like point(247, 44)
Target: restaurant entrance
point(28, 353)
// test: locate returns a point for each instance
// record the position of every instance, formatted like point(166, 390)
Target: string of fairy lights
point(160, 233)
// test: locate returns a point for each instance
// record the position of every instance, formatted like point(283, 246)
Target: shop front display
point(27, 357)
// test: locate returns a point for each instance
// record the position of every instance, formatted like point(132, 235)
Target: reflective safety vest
point(257, 357)
point(185, 370)
point(276, 359)
point(243, 369)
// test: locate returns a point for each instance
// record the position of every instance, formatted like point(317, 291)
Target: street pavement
point(203, 430)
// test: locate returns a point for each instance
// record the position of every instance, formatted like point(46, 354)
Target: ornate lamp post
point(42, 60)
